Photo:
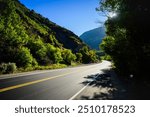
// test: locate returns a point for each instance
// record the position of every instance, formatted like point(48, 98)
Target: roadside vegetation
point(29, 41)
point(127, 42)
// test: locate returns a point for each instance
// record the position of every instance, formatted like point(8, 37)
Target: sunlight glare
point(112, 14)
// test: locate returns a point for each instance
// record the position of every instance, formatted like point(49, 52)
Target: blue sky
point(76, 15)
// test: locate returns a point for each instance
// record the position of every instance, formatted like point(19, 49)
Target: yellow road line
point(30, 83)
point(35, 82)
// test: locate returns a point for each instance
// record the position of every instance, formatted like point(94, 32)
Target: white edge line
point(73, 97)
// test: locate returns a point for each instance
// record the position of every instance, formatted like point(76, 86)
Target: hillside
point(94, 37)
point(28, 39)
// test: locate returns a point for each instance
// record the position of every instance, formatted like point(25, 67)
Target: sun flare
point(112, 14)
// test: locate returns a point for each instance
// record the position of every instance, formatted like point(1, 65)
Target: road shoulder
point(114, 89)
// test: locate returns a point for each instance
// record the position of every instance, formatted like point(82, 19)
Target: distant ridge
point(94, 37)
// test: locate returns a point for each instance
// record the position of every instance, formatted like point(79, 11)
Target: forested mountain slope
point(29, 39)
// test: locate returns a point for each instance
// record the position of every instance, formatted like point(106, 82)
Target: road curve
point(61, 84)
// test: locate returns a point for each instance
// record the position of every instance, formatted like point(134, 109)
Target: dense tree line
point(127, 40)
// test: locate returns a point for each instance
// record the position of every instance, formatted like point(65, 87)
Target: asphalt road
point(61, 84)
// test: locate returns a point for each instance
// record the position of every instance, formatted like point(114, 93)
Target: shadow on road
point(104, 86)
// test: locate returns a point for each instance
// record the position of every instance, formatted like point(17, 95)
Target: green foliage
point(127, 33)
point(14, 33)
point(3, 68)
point(48, 67)
point(54, 54)
point(107, 44)
point(99, 54)
point(84, 52)
point(75, 39)
point(11, 68)
point(93, 56)
point(79, 57)
point(106, 57)
point(41, 56)
point(8, 68)
point(88, 56)
point(68, 56)
point(39, 51)
point(29, 40)
point(52, 39)
point(24, 57)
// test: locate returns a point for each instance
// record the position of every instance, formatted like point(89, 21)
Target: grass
point(49, 67)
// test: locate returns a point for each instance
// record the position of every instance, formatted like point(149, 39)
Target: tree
point(54, 54)
point(127, 33)
point(24, 58)
point(38, 50)
point(13, 35)
point(68, 56)
point(88, 56)
point(79, 57)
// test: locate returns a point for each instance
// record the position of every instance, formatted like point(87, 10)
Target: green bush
point(6, 68)
point(79, 57)
point(68, 56)
point(25, 58)
point(3, 68)
point(88, 56)
point(106, 57)
point(11, 68)
point(54, 54)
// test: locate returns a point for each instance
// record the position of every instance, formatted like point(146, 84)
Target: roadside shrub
point(3, 68)
point(25, 58)
point(54, 54)
point(53, 66)
point(68, 56)
point(79, 57)
point(88, 56)
point(6, 68)
point(106, 57)
point(11, 68)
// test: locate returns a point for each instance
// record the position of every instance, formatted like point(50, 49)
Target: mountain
point(28, 39)
point(94, 37)
point(35, 24)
